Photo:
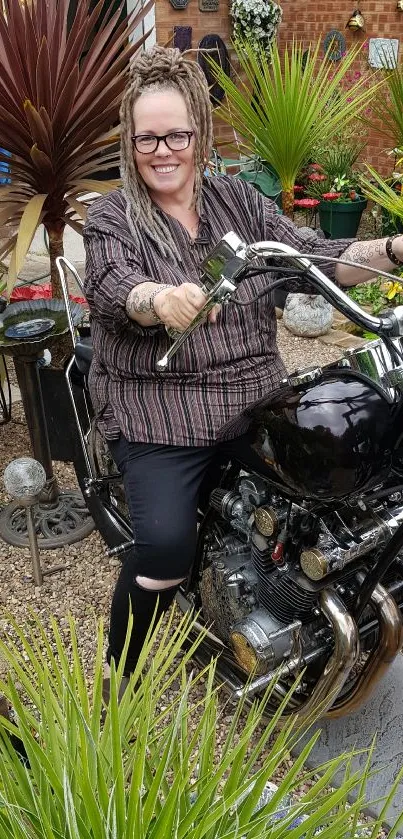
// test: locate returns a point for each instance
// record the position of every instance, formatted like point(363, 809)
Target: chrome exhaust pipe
point(381, 657)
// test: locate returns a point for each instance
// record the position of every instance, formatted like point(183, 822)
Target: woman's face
point(166, 173)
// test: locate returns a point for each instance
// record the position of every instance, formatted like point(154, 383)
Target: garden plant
point(153, 767)
point(282, 105)
point(61, 82)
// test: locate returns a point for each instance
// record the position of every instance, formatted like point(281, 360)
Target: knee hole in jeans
point(150, 584)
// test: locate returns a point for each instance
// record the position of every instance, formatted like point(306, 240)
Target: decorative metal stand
point(60, 518)
point(24, 479)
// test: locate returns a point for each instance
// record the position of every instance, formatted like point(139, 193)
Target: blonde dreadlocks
point(162, 69)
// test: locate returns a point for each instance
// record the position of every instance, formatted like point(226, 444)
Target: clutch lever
point(221, 292)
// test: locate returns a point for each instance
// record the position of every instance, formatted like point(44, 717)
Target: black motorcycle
point(299, 565)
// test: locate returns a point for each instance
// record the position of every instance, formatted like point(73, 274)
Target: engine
point(267, 560)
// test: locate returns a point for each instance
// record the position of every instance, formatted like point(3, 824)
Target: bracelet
point(156, 291)
point(389, 252)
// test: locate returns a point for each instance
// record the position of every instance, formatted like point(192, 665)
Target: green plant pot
point(340, 220)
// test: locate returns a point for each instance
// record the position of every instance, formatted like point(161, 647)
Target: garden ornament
point(24, 480)
point(307, 315)
point(356, 21)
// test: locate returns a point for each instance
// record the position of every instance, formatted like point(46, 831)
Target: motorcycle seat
point(83, 352)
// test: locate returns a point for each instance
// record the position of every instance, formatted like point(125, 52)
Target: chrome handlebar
point(224, 268)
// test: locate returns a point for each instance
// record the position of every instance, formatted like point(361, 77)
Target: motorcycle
point(299, 562)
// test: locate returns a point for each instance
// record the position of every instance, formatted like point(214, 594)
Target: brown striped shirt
point(222, 367)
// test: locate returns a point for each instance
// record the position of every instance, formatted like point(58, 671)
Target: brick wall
point(306, 21)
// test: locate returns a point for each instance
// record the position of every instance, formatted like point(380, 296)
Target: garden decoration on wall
point(179, 4)
point(334, 45)
point(182, 37)
point(212, 48)
point(256, 21)
point(208, 5)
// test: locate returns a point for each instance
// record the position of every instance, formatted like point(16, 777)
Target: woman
point(144, 245)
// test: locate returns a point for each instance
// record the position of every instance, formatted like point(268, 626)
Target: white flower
point(256, 20)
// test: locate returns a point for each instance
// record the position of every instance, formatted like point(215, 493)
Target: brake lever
point(219, 294)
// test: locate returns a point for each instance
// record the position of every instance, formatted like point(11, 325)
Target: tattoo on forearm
point(138, 302)
point(365, 252)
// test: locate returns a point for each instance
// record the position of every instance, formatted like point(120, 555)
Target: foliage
point(378, 294)
point(387, 192)
point(388, 107)
point(256, 20)
point(155, 767)
point(60, 88)
point(284, 105)
point(336, 161)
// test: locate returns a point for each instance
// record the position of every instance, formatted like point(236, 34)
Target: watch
point(389, 251)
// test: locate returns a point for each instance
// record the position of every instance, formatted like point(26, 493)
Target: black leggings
point(162, 486)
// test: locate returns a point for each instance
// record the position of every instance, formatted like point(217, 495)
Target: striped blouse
point(222, 367)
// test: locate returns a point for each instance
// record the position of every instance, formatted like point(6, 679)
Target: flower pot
point(339, 219)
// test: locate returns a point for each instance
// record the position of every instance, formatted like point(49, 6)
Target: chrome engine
point(267, 560)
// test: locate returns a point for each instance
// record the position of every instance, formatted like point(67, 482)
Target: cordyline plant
point(386, 192)
point(156, 766)
point(283, 105)
point(61, 82)
point(388, 108)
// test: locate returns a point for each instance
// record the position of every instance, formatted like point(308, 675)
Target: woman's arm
point(174, 306)
point(372, 253)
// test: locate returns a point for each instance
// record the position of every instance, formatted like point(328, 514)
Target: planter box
point(340, 220)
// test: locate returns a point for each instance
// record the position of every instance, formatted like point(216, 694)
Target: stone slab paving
point(382, 717)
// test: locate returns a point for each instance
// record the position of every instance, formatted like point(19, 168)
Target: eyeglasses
point(175, 141)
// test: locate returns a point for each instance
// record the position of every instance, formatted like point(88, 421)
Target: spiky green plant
point(61, 82)
point(155, 768)
point(388, 107)
point(284, 105)
point(383, 192)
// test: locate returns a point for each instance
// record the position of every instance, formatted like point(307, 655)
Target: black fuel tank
point(325, 440)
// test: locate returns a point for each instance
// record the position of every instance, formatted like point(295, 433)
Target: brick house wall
point(305, 21)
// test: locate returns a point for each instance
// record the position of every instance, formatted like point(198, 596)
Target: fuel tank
point(324, 439)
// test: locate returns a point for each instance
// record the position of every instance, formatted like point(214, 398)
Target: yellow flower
point(395, 289)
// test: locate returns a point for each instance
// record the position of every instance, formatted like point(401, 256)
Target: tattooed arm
point(140, 302)
point(175, 306)
point(371, 253)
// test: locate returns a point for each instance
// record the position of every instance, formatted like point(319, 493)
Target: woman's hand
point(176, 307)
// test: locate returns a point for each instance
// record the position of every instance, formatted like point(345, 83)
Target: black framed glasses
point(175, 141)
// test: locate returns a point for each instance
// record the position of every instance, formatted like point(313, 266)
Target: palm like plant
point(285, 106)
point(382, 192)
point(155, 768)
point(61, 83)
point(389, 109)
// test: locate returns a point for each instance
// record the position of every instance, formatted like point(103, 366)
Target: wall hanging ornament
point(334, 45)
point(182, 38)
point(208, 5)
point(356, 21)
point(212, 47)
point(399, 5)
point(179, 4)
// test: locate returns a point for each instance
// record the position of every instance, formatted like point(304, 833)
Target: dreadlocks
point(162, 69)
